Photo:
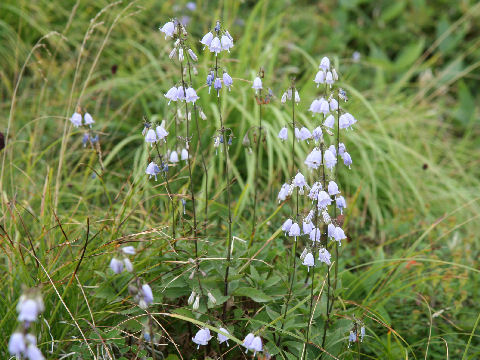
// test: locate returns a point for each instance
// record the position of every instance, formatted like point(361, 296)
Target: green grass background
point(409, 269)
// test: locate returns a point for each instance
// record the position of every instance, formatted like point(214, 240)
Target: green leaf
point(252, 293)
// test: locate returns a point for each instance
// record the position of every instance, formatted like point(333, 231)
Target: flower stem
point(257, 160)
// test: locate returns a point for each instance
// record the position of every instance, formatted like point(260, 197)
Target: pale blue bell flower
point(147, 294)
point(329, 122)
point(191, 95)
point(202, 337)
point(215, 45)
point(207, 39)
point(168, 29)
point(294, 230)
point(227, 80)
point(76, 119)
point(257, 84)
point(323, 200)
point(309, 260)
point(283, 134)
point(116, 266)
point(314, 159)
point(329, 159)
point(325, 63)
point(333, 188)
point(347, 160)
point(341, 204)
point(324, 256)
point(87, 118)
point(16, 344)
point(221, 337)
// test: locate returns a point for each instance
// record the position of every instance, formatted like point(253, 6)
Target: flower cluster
point(202, 337)
point(76, 119)
point(23, 343)
point(117, 265)
point(221, 41)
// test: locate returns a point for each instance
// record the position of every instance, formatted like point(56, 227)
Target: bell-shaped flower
point(217, 85)
point(180, 93)
point(116, 266)
point(202, 337)
point(173, 157)
point(191, 95)
point(283, 193)
point(172, 94)
point(283, 134)
point(87, 118)
point(248, 341)
point(309, 260)
point(329, 122)
point(16, 344)
point(287, 225)
point(257, 84)
point(297, 97)
point(346, 121)
point(315, 106)
point(331, 230)
point(28, 310)
point(305, 134)
point(323, 200)
point(333, 150)
point(299, 181)
point(128, 264)
point(339, 235)
point(329, 159)
point(227, 80)
point(325, 63)
point(320, 78)
point(307, 227)
point(161, 132)
point(347, 160)
point(147, 294)
point(184, 154)
point(313, 194)
point(207, 39)
point(226, 42)
point(193, 56)
point(324, 106)
point(297, 134)
point(315, 235)
point(333, 104)
point(152, 170)
point(294, 230)
point(341, 204)
point(314, 159)
point(333, 188)
point(128, 250)
point(221, 337)
point(324, 256)
point(329, 78)
point(76, 119)
point(341, 148)
point(180, 55)
point(256, 345)
point(168, 29)
point(317, 134)
point(34, 353)
point(215, 45)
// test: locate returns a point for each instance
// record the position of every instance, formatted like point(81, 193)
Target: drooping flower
point(184, 154)
point(116, 266)
point(180, 93)
point(314, 159)
point(284, 192)
point(325, 63)
point(168, 29)
point(315, 106)
point(315, 235)
point(215, 45)
point(319, 78)
point(227, 80)
point(221, 337)
point(193, 56)
point(331, 230)
point(202, 337)
point(324, 256)
point(283, 134)
point(347, 160)
point(76, 119)
point(297, 96)
point(307, 227)
point(173, 157)
point(333, 150)
point(333, 104)
point(362, 333)
point(226, 42)
point(299, 181)
point(329, 121)
point(180, 55)
point(248, 341)
point(324, 106)
point(341, 204)
point(152, 170)
point(256, 345)
point(317, 134)
point(287, 225)
point(217, 85)
point(147, 294)
point(87, 118)
point(333, 188)
point(207, 39)
point(352, 337)
point(191, 95)
point(341, 148)
point(323, 200)
point(313, 194)
point(346, 121)
point(172, 94)
point(339, 235)
point(305, 134)
point(161, 132)
point(294, 230)
point(329, 159)
point(196, 303)
point(128, 264)
point(172, 53)
point(128, 250)
point(329, 78)
point(16, 344)
point(309, 260)
point(257, 84)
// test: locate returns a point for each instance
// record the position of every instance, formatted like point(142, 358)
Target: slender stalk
point(169, 192)
point(294, 249)
point(192, 192)
point(227, 176)
point(202, 156)
point(257, 160)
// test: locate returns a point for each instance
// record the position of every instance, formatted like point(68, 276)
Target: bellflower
point(34, 353)
point(16, 344)
point(324, 256)
point(315, 106)
point(226, 42)
point(329, 78)
point(184, 154)
point(315, 235)
point(329, 159)
point(161, 132)
point(325, 63)
point(307, 227)
point(319, 78)
point(287, 225)
point(299, 181)
point(297, 134)
point(128, 264)
point(217, 85)
point(333, 104)
point(193, 56)
point(223, 338)
point(76, 119)
point(309, 260)
point(215, 46)
point(116, 266)
point(333, 150)
point(297, 97)
point(341, 149)
point(128, 250)
point(147, 294)
point(88, 119)
point(346, 121)
point(257, 84)
point(227, 80)
point(324, 106)
point(341, 204)
point(339, 235)
point(317, 134)
point(168, 29)
point(305, 134)
point(180, 55)
point(329, 122)
point(202, 337)
point(207, 39)
point(313, 194)
point(248, 341)
point(333, 188)
point(347, 160)
point(283, 134)
point(151, 137)
point(256, 345)
point(152, 170)
point(172, 94)
point(173, 157)
point(314, 159)
point(191, 95)
point(294, 230)
point(180, 93)
point(323, 199)
point(331, 230)
point(284, 192)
